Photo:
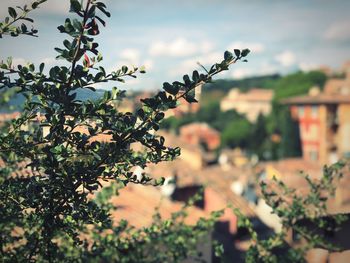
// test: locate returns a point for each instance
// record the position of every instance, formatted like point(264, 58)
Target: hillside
point(16, 103)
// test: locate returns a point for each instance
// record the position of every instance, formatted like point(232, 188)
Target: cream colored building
point(251, 103)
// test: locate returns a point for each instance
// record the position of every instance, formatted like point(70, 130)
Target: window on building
point(313, 155)
point(301, 111)
point(314, 111)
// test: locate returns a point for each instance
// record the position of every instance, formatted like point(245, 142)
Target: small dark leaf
point(228, 55)
point(124, 69)
point(237, 52)
point(186, 79)
point(190, 97)
point(172, 89)
point(75, 6)
point(159, 116)
point(28, 19)
point(61, 28)
point(101, 20)
point(35, 5)
point(195, 76)
point(245, 52)
point(12, 12)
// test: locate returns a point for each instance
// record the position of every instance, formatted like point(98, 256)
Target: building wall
point(213, 202)
point(194, 159)
point(251, 109)
point(325, 132)
point(199, 132)
point(311, 120)
point(343, 140)
point(323, 156)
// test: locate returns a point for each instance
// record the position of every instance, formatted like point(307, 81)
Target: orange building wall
point(213, 202)
point(343, 139)
point(323, 153)
point(311, 130)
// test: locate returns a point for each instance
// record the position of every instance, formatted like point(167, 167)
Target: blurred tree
point(259, 136)
point(290, 135)
point(237, 134)
point(297, 84)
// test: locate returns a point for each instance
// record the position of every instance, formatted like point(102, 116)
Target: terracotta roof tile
point(252, 95)
point(213, 177)
point(137, 204)
point(9, 116)
point(292, 170)
point(318, 99)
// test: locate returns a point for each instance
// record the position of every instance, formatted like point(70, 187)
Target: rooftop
point(335, 91)
point(137, 204)
point(252, 95)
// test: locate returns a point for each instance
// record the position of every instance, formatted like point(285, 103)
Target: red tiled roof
point(212, 177)
point(333, 86)
point(172, 140)
point(318, 99)
point(137, 204)
point(254, 94)
point(293, 166)
point(292, 171)
point(9, 116)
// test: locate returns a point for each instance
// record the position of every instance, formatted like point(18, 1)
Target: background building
point(251, 103)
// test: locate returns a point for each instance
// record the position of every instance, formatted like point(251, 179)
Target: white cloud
point(205, 46)
point(255, 47)
point(148, 63)
point(191, 64)
point(180, 47)
point(50, 7)
point(246, 71)
point(338, 31)
point(130, 54)
point(50, 61)
point(205, 60)
point(132, 57)
point(305, 66)
point(18, 61)
point(286, 58)
point(267, 69)
point(241, 73)
point(58, 7)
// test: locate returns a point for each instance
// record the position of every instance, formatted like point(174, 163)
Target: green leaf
point(12, 12)
point(75, 6)
point(124, 69)
point(219, 250)
point(97, 156)
point(24, 28)
point(35, 5)
point(237, 52)
point(172, 89)
point(195, 76)
point(190, 96)
point(245, 52)
point(114, 93)
point(159, 116)
point(142, 69)
point(186, 79)
point(228, 55)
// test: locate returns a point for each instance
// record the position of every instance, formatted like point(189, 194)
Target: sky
point(170, 37)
